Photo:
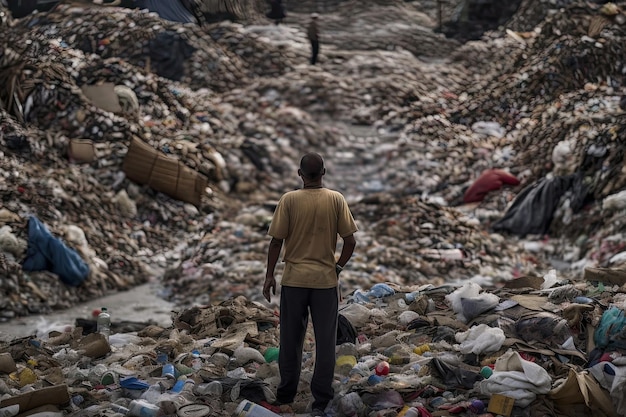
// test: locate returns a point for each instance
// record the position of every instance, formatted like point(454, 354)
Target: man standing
point(308, 220)
point(277, 11)
point(314, 37)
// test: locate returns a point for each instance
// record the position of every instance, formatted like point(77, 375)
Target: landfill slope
point(244, 105)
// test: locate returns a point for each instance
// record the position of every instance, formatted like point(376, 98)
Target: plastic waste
point(407, 317)
point(213, 388)
point(382, 368)
point(419, 350)
point(467, 301)
point(544, 327)
point(243, 355)
point(610, 331)
point(271, 354)
point(152, 394)
point(383, 400)
point(249, 409)
point(455, 376)
point(380, 290)
point(347, 349)
point(168, 371)
point(104, 322)
point(486, 372)
point(344, 364)
point(550, 279)
point(142, 408)
point(480, 339)
point(196, 360)
point(351, 404)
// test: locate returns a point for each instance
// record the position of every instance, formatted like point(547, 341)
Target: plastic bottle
point(104, 322)
point(141, 408)
point(119, 409)
point(249, 409)
point(186, 395)
point(213, 388)
point(196, 361)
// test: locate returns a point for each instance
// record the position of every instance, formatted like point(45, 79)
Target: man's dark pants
point(315, 50)
point(295, 304)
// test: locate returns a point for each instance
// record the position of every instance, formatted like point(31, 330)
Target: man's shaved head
point(312, 165)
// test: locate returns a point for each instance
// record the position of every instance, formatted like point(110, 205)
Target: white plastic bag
point(467, 301)
point(480, 339)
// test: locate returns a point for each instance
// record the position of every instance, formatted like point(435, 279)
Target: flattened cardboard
point(583, 388)
point(501, 404)
point(82, 150)
point(103, 96)
point(55, 395)
point(94, 345)
point(145, 165)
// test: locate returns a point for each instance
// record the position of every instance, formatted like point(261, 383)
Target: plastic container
point(196, 360)
point(141, 408)
point(382, 368)
point(213, 388)
point(104, 322)
point(344, 364)
point(249, 409)
point(168, 371)
point(119, 409)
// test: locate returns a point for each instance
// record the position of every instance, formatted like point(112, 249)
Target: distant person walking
point(308, 221)
point(313, 34)
point(277, 11)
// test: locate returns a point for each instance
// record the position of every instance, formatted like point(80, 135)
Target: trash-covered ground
point(132, 145)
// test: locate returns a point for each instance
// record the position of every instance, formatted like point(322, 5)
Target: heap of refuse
point(509, 303)
point(545, 344)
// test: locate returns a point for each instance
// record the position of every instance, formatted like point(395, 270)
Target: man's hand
point(270, 283)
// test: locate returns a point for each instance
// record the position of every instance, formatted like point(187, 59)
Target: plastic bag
point(480, 339)
point(611, 332)
point(346, 333)
point(467, 301)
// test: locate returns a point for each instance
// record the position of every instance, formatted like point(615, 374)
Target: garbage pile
point(449, 317)
point(547, 344)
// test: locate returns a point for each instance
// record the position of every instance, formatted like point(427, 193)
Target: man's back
point(309, 221)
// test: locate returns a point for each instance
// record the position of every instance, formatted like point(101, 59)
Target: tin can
point(168, 371)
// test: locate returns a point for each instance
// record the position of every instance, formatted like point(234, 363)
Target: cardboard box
point(54, 395)
point(82, 150)
point(501, 404)
point(145, 165)
point(103, 96)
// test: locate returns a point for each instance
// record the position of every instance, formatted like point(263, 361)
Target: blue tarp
point(48, 253)
point(172, 10)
